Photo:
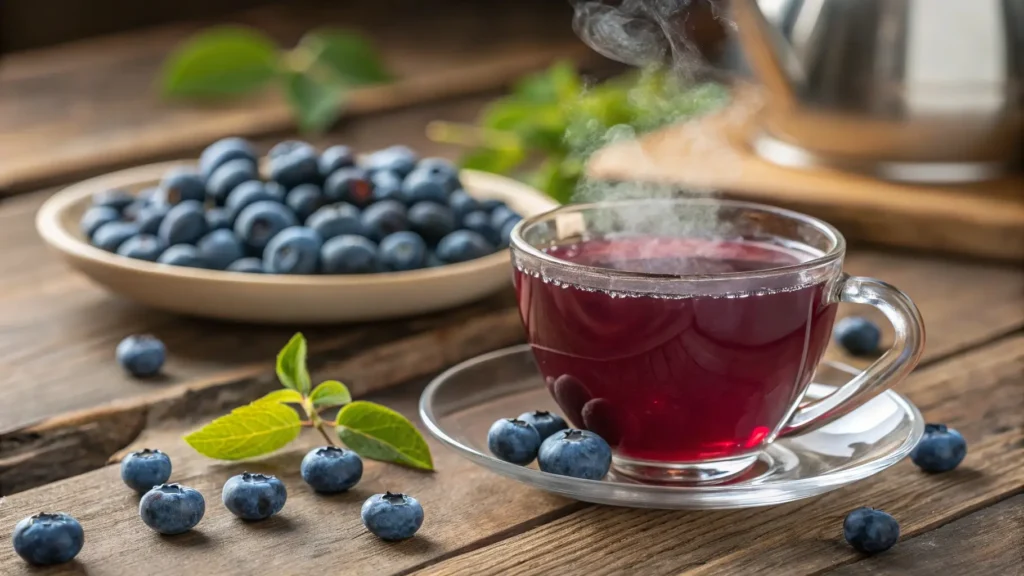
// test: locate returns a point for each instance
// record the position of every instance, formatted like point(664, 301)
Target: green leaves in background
point(291, 365)
point(379, 433)
point(253, 430)
point(229, 61)
point(285, 396)
point(329, 394)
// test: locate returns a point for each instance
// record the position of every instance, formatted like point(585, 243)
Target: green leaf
point(330, 393)
point(222, 61)
point(379, 433)
point(560, 83)
point(291, 364)
point(284, 396)
point(316, 101)
point(249, 431)
point(348, 57)
point(495, 160)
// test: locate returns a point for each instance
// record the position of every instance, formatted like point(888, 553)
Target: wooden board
point(711, 154)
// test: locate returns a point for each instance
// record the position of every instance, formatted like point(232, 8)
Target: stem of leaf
point(471, 136)
point(317, 421)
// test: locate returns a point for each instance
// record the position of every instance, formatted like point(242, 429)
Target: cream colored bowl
point(277, 298)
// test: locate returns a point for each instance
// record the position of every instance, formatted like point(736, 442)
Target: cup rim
point(838, 248)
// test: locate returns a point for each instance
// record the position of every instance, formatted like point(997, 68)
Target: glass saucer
point(460, 405)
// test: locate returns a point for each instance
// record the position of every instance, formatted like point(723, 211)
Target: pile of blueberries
point(558, 449)
point(170, 509)
point(317, 213)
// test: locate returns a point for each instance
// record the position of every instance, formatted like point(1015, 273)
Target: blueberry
point(217, 219)
point(141, 355)
point(296, 164)
point(111, 235)
point(576, 453)
point(172, 508)
point(432, 221)
point(142, 247)
point(219, 249)
point(229, 175)
point(384, 218)
point(143, 469)
point(45, 539)
point(402, 251)
point(442, 170)
point(150, 216)
point(348, 254)
point(259, 222)
point(348, 185)
point(96, 216)
point(285, 147)
point(330, 469)
point(181, 184)
point(462, 204)
point(247, 266)
point(392, 516)
point(433, 261)
point(387, 186)
point(223, 151)
point(940, 450)
point(463, 245)
point(294, 250)
point(480, 222)
point(182, 255)
point(336, 220)
point(490, 205)
point(501, 215)
point(131, 212)
point(335, 158)
point(116, 199)
point(183, 224)
point(277, 191)
point(254, 496)
point(304, 200)
point(148, 194)
point(513, 440)
point(422, 185)
point(246, 194)
point(545, 422)
point(505, 236)
point(870, 531)
point(859, 336)
point(398, 159)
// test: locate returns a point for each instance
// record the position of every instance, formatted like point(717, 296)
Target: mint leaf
point(348, 57)
point(219, 62)
point(315, 99)
point(249, 431)
point(330, 393)
point(291, 364)
point(379, 433)
point(496, 160)
point(284, 396)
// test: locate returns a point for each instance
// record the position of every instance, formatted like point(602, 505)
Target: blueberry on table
point(335, 158)
point(870, 531)
point(143, 469)
point(513, 440)
point(247, 266)
point(402, 251)
point(150, 216)
point(223, 151)
point(462, 204)
point(141, 355)
point(181, 184)
point(142, 247)
point(576, 453)
point(384, 218)
point(45, 539)
point(940, 450)
point(502, 215)
point(294, 250)
point(111, 235)
point(96, 216)
point(185, 255)
point(392, 517)
point(116, 199)
point(294, 165)
point(304, 200)
point(398, 159)
point(480, 222)
point(330, 469)
point(246, 194)
point(442, 170)
point(184, 223)
point(431, 220)
point(859, 336)
point(350, 185)
point(229, 175)
point(336, 220)
point(387, 185)
point(259, 222)
point(219, 249)
point(545, 422)
point(348, 254)
point(172, 508)
point(217, 219)
point(422, 185)
point(462, 246)
point(254, 496)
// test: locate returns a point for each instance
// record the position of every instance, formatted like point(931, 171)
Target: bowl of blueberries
point(300, 236)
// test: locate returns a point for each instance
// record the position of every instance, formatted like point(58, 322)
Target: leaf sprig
point(269, 423)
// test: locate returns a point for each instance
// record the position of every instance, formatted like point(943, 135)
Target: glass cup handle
point(891, 368)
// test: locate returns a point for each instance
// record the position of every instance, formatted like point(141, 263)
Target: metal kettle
point(912, 90)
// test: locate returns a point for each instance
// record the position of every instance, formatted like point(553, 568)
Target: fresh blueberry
point(480, 222)
point(150, 216)
point(545, 422)
point(142, 247)
point(172, 508)
point(142, 355)
point(254, 496)
point(45, 539)
point(298, 164)
point(96, 216)
point(490, 205)
point(432, 221)
point(462, 204)
point(859, 336)
point(442, 170)
point(223, 151)
point(182, 255)
point(183, 224)
point(505, 237)
point(501, 215)
point(463, 245)
point(336, 220)
point(131, 212)
point(116, 199)
point(576, 453)
point(143, 469)
point(384, 218)
point(286, 147)
point(294, 250)
point(259, 222)
point(349, 185)
point(217, 219)
point(513, 440)
point(398, 159)
point(392, 516)
point(246, 194)
point(870, 531)
point(387, 186)
point(940, 450)
point(304, 200)
point(348, 254)
point(149, 194)
point(219, 249)
point(229, 175)
point(423, 185)
point(331, 469)
point(181, 184)
point(335, 158)
point(247, 266)
point(433, 261)
point(111, 235)
point(277, 191)
point(402, 251)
